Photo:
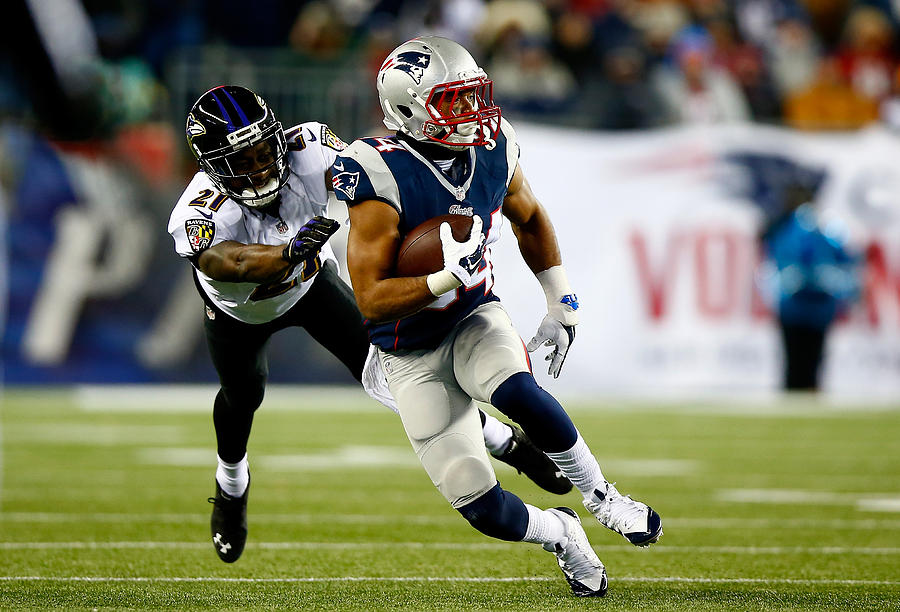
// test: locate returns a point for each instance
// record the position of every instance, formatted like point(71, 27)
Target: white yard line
point(199, 398)
point(360, 456)
point(730, 550)
point(867, 502)
point(217, 579)
point(349, 398)
point(353, 519)
point(88, 434)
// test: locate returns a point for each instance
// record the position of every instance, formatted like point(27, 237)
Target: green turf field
point(794, 506)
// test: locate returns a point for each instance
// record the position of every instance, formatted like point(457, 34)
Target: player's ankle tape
point(441, 282)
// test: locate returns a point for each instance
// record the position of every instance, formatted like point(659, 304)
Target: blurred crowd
point(604, 64)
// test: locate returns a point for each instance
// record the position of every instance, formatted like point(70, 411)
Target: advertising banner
point(659, 232)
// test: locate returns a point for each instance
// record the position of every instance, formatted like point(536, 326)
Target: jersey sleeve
point(312, 148)
point(203, 218)
point(512, 148)
point(360, 173)
point(317, 141)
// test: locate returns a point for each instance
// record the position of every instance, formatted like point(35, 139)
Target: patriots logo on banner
point(346, 183)
point(200, 233)
point(413, 63)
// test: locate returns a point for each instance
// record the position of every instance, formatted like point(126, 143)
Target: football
point(420, 253)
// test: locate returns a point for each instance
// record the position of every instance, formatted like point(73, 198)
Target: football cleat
point(528, 459)
point(579, 563)
point(636, 521)
point(229, 524)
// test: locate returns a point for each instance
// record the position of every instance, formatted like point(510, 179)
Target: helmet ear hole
point(407, 112)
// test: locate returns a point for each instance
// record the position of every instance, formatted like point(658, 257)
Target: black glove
point(310, 239)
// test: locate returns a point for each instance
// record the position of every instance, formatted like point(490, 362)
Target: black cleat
point(229, 524)
point(528, 459)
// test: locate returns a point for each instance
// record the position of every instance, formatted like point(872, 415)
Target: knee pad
point(458, 468)
point(498, 514)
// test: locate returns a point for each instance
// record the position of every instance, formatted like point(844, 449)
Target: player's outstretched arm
point(371, 255)
point(540, 250)
point(235, 262)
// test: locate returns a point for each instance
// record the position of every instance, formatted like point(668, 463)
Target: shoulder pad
point(360, 173)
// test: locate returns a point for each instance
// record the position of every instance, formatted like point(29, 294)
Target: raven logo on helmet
point(413, 63)
point(194, 127)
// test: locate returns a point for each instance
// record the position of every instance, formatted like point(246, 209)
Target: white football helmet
point(431, 89)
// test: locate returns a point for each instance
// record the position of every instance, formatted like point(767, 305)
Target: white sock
point(543, 527)
point(233, 477)
point(497, 435)
point(580, 466)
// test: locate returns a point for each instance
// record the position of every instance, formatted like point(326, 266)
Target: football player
point(252, 224)
point(444, 339)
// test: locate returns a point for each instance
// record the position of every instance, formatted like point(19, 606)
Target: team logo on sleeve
point(331, 140)
point(200, 233)
point(413, 63)
point(346, 183)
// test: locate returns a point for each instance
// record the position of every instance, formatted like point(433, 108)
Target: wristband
point(561, 302)
point(555, 284)
point(441, 282)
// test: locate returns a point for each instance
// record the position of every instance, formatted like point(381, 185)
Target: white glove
point(461, 259)
point(557, 329)
point(553, 332)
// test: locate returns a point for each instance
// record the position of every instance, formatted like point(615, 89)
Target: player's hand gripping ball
point(421, 251)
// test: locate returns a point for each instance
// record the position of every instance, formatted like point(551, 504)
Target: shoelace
point(629, 510)
point(619, 510)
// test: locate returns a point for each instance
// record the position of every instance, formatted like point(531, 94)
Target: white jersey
point(204, 217)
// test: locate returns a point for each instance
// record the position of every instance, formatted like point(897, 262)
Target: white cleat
point(638, 522)
point(579, 563)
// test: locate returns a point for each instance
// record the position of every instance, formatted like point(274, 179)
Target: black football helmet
point(239, 143)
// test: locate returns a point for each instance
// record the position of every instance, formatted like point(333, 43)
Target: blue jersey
point(389, 170)
point(818, 276)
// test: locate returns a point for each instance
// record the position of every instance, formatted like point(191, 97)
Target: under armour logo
point(224, 547)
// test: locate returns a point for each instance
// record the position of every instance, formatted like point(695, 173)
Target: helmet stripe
point(238, 108)
point(230, 126)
